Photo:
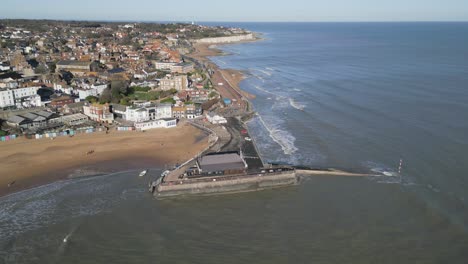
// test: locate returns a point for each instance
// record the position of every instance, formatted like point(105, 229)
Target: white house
point(9, 97)
point(22, 92)
point(164, 65)
point(86, 90)
point(6, 98)
point(149, 112)
point(216, 119)
point(4, 67)
point(63, 88)
point(32, 101)
point(161, 123)
point(83, 93)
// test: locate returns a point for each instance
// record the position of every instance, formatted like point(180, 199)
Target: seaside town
point(59, 78)
point(75, 96)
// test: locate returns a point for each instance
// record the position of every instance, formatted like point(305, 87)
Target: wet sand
point(29, 163)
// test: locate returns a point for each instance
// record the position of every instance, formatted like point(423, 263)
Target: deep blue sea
point(364, 95)
point(341, 95)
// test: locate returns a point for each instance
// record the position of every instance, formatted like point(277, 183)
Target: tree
point(92, 99)
point(106, 96)
point(52, 66)
point(41, 69)
point(168, 100)
point(213, 94)
point(125, 101)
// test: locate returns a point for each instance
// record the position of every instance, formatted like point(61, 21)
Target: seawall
point(244, 183)
point(229, 39)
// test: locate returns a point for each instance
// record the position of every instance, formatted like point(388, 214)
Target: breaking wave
point(281, 137)
point(296, 105)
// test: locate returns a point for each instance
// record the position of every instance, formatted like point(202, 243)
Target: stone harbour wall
point(241, 184)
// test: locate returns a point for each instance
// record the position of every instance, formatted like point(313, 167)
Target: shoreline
point(23, 163)
point(231, 76)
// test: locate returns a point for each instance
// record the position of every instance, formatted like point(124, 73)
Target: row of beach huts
point(69, 132)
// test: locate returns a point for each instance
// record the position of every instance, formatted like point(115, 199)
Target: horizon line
point(219, 21)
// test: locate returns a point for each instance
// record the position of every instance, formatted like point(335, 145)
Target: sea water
point(343, 95)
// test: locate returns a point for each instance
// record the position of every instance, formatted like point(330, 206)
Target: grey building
point(221, 164)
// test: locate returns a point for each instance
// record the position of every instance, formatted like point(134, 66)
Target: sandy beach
point(231, 76)
point(29, 163)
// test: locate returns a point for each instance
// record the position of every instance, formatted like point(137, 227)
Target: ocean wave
point(264, 72)
point(296, 105)
point(281, 137)
point(53, 203)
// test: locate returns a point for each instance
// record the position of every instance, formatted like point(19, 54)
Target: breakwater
point(230, 184)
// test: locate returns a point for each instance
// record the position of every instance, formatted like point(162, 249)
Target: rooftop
point(220, 162)
point(73, 63)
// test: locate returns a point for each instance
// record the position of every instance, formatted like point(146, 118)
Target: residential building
point(73, 108)
point(15, 96)
point(193, 111)
point(182, 67)
point(178, 82)
point(32, 101)
point(83, 93)
point(164, 65)
point(22, 92)
point(98, 112)
point(6, 98)
point(73, 66)
point(196, 95)
point(179, 112)
point(61, 101)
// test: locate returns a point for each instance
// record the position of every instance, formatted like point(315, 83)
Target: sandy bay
point(28, 163)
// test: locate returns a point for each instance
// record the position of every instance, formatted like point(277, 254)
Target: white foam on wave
point(278, 96)
point(281, 137)
point(258, 77)
point(43, 206)
point(296, 105)
point(264, 72)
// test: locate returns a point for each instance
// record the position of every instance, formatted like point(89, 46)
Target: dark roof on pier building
point(221, 162)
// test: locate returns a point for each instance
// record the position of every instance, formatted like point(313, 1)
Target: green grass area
point(168, 100)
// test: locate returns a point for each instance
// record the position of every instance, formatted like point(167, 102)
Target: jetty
point(232, 164)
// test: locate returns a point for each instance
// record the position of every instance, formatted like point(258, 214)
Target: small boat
point(143, 173)
point(165, 173)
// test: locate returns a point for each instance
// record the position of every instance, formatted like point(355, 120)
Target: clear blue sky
point(239, 10)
